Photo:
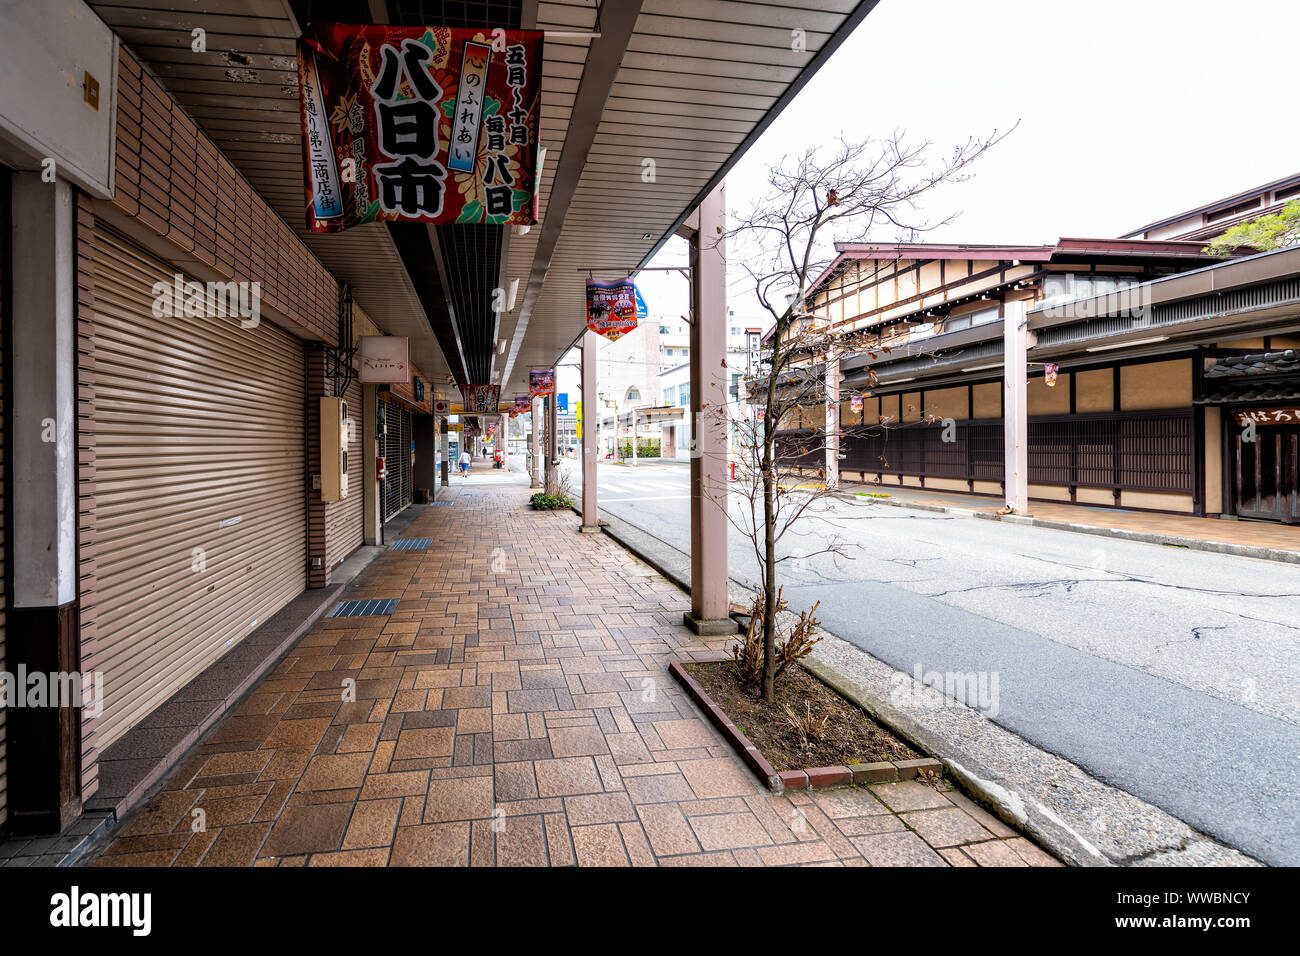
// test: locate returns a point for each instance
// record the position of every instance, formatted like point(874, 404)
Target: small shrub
point(645, 447)
point(748, 654)
point(800, 642)
point(544, 502)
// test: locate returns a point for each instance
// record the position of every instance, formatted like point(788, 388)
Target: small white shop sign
point(385, 358)
point(1269, 416)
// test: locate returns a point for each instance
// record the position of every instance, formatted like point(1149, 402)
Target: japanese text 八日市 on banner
point(423, 124)
point(480, 399)
point(613, 307)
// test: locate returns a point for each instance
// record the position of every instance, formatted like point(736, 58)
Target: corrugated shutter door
point(408, 493)
point(344, 523)
point(393, 461)
point(200, 487)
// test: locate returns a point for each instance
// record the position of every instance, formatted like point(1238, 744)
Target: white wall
point(46, 50)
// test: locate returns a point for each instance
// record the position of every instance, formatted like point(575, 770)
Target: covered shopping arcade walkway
point(184, 527)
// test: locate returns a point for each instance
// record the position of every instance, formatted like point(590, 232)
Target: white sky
point(1129, 110)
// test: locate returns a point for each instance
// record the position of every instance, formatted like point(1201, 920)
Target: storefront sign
point(384, 358)
point(419, 124)
point(613, 307)
point(541, 382)
point(1049, 374)
point(1268, 416)
point(441, 407)
point(523, 403)
point(855, 403)
point(480, 399)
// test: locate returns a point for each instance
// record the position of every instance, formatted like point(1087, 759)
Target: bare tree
point(849, 192)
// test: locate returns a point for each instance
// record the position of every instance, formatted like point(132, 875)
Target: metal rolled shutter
point(408, 482)
point(393, 460)
point(200, 488)
point(344, 522)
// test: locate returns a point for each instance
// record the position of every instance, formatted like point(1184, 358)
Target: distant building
point(1206, 222)
point(646, 375)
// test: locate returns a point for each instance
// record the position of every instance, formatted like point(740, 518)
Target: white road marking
point(647, 498)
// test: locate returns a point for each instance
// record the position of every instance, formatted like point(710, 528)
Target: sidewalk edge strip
point(1146, 537)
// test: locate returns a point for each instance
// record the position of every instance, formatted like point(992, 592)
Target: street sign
point(384, 359)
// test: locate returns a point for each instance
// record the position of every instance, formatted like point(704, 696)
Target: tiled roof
point(1240, 392)
point(1260, 363)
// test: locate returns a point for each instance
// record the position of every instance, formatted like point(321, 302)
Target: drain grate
point(446, 503)
point(363, 608)
point(411, 544)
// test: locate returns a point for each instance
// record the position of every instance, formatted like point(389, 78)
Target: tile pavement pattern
point(514, 710)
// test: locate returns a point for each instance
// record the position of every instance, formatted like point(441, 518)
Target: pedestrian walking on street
point(464, 462)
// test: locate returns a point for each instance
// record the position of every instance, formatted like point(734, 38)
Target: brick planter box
point(810, 778)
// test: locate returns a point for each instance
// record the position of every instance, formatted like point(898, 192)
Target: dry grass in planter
point(809, 725)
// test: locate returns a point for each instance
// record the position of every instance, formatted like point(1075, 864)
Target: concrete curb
point(1147, 537)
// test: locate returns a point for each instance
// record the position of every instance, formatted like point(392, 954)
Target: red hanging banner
point(419, 124)
point(541, 382)
point(613, 307)
point(480, 399)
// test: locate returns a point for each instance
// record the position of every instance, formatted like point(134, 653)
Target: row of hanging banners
point(435, 125)
point(613, 309)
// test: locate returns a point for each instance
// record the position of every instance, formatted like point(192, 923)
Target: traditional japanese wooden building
point(1146, 360)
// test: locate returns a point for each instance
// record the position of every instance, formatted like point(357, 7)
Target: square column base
point(590, 529)
point(710, 628)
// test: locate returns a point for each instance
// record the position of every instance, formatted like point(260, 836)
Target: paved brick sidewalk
point(515, 710)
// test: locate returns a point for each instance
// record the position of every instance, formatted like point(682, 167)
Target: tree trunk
point(769, 577)
point(771, 419)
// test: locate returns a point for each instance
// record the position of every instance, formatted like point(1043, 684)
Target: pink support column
point(535, 440)
point(590, 520)
point(1016, 341)
point(833, 379)
point(710, 604)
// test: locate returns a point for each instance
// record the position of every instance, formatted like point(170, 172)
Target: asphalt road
point(1168, 673)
